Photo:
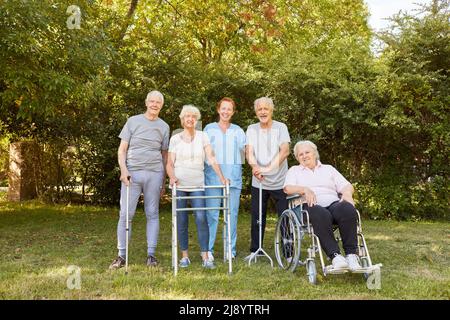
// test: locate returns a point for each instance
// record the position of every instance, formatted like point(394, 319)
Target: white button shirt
point(324, 180)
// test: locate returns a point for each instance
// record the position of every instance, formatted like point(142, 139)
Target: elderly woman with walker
point(188, 151)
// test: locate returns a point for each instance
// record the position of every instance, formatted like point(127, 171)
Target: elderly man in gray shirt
point(267, 150)
point(142, 159)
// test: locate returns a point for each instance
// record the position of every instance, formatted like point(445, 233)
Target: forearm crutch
point(260, 252)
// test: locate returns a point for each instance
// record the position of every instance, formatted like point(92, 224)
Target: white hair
point(306, 143)
point(155, 93)
point(189, 108)
point(264, 100)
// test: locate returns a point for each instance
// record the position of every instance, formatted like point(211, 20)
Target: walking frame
point(226, 218)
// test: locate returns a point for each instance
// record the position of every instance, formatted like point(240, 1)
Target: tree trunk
point(22, 182)
point(129, 16)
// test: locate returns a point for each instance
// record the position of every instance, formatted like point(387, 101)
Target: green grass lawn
point(39, 242)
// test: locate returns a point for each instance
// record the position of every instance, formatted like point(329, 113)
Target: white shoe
point(339, 262)
point(353, 262)
point(210, 256)
point(208, 264)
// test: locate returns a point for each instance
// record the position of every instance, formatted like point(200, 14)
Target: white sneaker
point(208, 264)
point(210, 256)
point(353, 262)
point(339, 262)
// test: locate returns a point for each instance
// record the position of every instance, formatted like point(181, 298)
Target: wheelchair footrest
point(369, 269)
point(330, 270)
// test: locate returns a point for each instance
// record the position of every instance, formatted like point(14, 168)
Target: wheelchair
point(297, 245)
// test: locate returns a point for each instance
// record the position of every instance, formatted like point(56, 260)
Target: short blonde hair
point(264, 100)
point(189, 108)
point(306, 143)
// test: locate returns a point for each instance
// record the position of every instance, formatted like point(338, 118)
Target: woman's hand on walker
point(173, 181)
point(225, 181)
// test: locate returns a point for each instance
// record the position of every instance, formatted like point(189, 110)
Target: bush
point(398, 198)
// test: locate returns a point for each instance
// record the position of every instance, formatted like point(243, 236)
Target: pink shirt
point(325, 181)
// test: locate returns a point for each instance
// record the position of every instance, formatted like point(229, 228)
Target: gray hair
point(190, 108)
point(155, 93)
point(306, 143)
point(264, 100)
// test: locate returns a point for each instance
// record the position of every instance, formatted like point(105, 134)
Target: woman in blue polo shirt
point(228, 142)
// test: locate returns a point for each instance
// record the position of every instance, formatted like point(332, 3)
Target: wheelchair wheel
point(311, 271)
point(288, 240)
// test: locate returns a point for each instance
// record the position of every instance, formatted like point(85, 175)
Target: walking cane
point(260, 252)
point(127, 226)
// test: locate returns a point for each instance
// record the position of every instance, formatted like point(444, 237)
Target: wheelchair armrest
point(293, 196)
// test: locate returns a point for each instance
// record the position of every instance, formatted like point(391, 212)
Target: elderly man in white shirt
point(267, 150)
point(320, 186)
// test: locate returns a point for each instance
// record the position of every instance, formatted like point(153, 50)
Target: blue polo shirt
point(229, 149)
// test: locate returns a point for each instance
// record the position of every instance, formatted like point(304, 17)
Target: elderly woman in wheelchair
point(320, 199)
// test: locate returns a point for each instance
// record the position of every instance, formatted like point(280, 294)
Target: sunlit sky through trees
point(380, 10)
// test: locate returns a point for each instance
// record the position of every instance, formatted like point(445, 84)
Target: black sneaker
point(151, 261)
point(119, 262)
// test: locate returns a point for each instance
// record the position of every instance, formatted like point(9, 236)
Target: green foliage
point(381, 120)
point(56, 85)
point(416, 90)
point(49, 71)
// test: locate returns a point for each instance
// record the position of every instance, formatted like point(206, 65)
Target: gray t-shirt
point(266, 145)
point(146, 139)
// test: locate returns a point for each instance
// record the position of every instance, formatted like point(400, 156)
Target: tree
point(415, 123)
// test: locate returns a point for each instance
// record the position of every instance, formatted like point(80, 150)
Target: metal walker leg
point(227, 230)
point(174, 231)
point(225, 207)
